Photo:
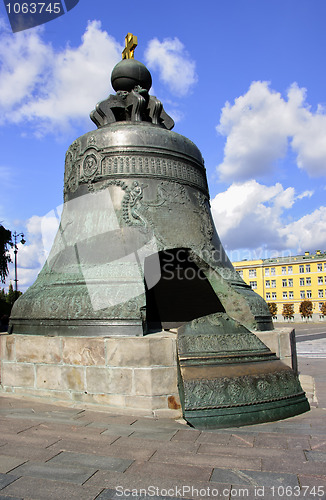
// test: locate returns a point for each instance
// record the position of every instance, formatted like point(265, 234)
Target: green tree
point(305, 309)
point(323, 309)
point(272, 309)
point(12, 295)
point(4, 306)
point(5, 242)
point(288, 311)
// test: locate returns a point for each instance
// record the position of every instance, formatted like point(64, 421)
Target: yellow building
point(288, 280)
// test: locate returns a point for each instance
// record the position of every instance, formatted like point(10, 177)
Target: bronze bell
point(137, 251)
point(136, 214)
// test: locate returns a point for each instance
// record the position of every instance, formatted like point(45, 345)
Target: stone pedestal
point(137, 375)
point(282, 342)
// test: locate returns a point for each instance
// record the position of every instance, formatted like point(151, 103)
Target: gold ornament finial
point(131, 43)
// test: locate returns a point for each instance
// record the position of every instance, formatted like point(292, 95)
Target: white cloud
point(305, 194)
point(259, 127)
point(53, 88)
point(243, 208)
point(39, 236)
point(252, 215)
point(47, 86)
point(307, 231)
point(24, 56)
point(174, 64)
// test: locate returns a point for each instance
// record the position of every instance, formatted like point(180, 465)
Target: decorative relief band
point(153, 166)
point(94, 167)
point(227, 392)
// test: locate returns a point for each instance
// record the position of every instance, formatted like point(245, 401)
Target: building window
point(301, 269)
point(284, 282)
point(285, 295)
point(320, 305)
point(240, 271)
point(273, 271)
point(267, 271)
point(291, 296)
point(325, 266)
point(290, 282)
point(309, 294)
point(320, 280)
point(320, 294)
point(273, 283)
point(290, 270)
point(308, 281)
point(252, 273)
point(301, 281)
point(268, 284)
point(274, 295)
point(283, 270)
point(253, 284)
point(319, 267)
point(268, 296)
point(307, 268)
point(302, 294)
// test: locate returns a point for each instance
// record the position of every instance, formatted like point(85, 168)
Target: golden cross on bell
point(131, 43)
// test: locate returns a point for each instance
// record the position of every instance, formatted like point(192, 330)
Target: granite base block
point(127, 374)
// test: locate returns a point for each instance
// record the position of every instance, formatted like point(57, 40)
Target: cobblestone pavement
point(49, 451)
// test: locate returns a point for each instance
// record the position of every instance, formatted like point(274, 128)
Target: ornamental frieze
point(94, 166)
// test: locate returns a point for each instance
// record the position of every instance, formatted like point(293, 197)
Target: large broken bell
point(137, 251)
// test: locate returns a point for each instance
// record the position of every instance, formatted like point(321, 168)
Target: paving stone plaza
point(49, 451)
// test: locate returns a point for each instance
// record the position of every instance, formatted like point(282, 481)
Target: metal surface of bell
point(136, 214)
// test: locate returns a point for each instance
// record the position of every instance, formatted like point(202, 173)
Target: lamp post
point(22, 241)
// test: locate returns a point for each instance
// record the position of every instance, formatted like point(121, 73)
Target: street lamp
point(22, 241)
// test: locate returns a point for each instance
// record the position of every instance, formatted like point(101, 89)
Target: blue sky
point(244, 79)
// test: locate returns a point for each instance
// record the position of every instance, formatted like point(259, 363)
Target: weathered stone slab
point(282, 342)
point(160, 424)
point(142, 352)
point(17, 375)
point(41, 349)
point(83, 351)
point(109, 380)
point(112, 400)
point(43, 489)
point(8, 348)
point(9, 463)
point(119, 430)
point(4, 497)
point(159, 435)
point(44, 394)
point(248, 477)
point(151, 470)
point(57, 472)
point(6, 479)
point(146, 402)
point(60, 378)
point(316, 456)
point(110, 494)
point(271, 339)
point(91, 460)
point(156, 381)
point(286, 343)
